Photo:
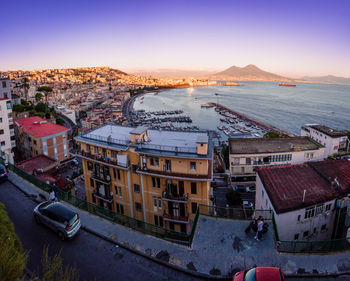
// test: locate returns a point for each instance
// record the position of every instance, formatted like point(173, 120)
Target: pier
point(264, 126)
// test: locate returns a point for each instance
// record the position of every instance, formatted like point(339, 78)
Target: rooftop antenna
point(304, 195)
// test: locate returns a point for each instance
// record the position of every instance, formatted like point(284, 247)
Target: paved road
point(220, 193)
point(94, 257)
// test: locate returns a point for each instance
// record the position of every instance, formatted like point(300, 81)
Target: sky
point(293, 38)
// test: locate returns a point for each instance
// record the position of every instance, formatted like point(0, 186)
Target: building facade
point(5, 88)
point(154, 176)
point(37, 136)
point(305, 199)
point(7, 132)
point(250, 153)
point(334, 141)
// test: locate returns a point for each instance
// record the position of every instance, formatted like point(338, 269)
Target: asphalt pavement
point(95, 258)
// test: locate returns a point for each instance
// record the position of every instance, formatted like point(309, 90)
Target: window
point(137, 188)
point(193, 188)
point(138, 206)
point(120, 209)
point(319, 209)
point(96, 149)
point(118, 174)
point(154, 202)
point(153, 182)
point(88, 148)
point(262, 193)
point(236, 160)
point(151, 162)
point(328, 207)
point(114, 153)
point(0, 120)
point(323, 227)
point(296, 236)
point(134, 168)
point(92, 182)
point(114, 174)
point(8, 104)
point(248, 161)
point(299, 217)
point(4, 84)
point(34, 141)
point(192, 165)
point(120, 191)
point(309, 212)
point(159, 203)
point(116, 190)
point(5, 95)
point(306, 233)
point(194, 208)
point(89, 165)
point(154, 161)
point(1, 132)
point(155, 220)
point(158, 220)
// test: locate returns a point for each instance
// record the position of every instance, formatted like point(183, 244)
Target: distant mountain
point(248, 73)
point(328, 79)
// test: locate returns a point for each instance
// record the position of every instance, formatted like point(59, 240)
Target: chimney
point(304, 195)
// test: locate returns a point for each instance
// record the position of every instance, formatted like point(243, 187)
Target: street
point(94, 258)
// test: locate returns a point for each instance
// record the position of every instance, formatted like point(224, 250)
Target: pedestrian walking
point(52, 196)
point(260, 223)
point(55, 189)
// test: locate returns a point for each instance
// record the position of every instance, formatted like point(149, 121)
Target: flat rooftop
point(285, 185)
point(329, 131)
point(156, 137)
point(37, 162)
point(275, 145)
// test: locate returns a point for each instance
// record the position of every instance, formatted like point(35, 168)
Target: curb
point(173, 266)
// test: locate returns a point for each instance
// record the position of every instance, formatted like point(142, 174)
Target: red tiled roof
point(39, 127)
point(4, 99)
point(285, 185)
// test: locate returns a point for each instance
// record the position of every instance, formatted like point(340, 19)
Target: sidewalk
point(220, 246)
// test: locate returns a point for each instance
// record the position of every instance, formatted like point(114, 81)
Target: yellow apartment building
point(155, 176)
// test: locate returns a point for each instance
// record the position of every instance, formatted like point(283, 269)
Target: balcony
point(100, 159)
point(106, 179)
point(13, 144)
point(176, 219)
point(11, 121)
point(106, 198)
point(12, 132)
point(174, 198)
point(174, 175)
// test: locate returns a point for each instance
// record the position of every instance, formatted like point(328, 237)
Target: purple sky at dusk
point(309, 37)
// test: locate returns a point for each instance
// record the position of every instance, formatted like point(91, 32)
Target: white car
point(247, 205)
point(250, 189)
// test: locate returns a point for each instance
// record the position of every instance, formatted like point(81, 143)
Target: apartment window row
point(316, 210)
point(309, 155)
point(104, 151)
point(157, 202)
point(306, 233)
point(281, 158)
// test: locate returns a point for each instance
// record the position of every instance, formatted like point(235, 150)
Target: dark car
point(3, 173)
point(61, 219)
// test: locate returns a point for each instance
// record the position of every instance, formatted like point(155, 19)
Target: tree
point(38, 97)
point(225, 155)
point(18, 108)
point(40, 107)
point(47, 115)
point(233, 198)
point(25, 86)
point(46, 90)
point(272, 135)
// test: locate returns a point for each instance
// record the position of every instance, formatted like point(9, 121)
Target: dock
point(265, 126)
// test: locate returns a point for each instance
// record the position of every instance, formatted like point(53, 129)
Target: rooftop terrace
point(276, 145)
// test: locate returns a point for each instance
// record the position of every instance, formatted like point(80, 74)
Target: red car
point(263, 273)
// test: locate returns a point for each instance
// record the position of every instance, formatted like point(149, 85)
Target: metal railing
point(169, 148)
point(138, 225)
point(234, 213)
point(105, 139)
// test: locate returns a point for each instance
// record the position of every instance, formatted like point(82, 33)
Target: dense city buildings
point(334, 141)
point(249, 153)
point(7, 133)
point(36, 136)
point(310, 201)
point(159, 177)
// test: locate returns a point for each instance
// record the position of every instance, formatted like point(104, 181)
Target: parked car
point(240, 188)
point(247, 205)
point(250, 189)
point(61, 219)
point(3, 173)
point(263, 273)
